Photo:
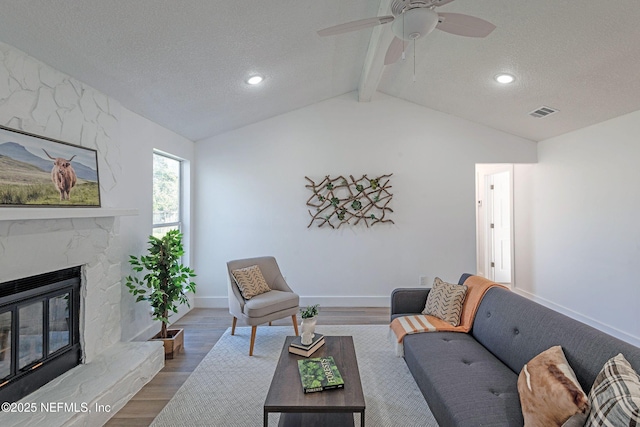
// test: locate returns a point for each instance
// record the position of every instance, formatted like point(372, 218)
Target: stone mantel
point(23, 214)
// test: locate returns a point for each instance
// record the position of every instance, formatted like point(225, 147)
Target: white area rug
point(228, 388)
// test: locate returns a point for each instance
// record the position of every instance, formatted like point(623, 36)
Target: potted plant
point(165, 284)
point(308, 324)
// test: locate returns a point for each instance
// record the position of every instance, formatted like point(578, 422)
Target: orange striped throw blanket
point(477, 287)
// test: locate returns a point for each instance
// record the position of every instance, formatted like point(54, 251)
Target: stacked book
point(306, 350)
point(319, 374)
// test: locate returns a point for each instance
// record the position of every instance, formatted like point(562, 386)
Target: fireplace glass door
point(59, 331)
point(5, 344)
point(39, 331)
point(30, 334)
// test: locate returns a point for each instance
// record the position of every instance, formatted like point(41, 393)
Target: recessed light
point(256, 79)
point(504, 78)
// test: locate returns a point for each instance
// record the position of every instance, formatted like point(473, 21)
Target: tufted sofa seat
point(471, 379)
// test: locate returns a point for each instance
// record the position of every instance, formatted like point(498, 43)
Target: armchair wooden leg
point(233, 325)
point(253, 339)
point(295, 324)
point(269, 323)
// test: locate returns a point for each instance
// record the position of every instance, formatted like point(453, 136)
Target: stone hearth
point(112, 371)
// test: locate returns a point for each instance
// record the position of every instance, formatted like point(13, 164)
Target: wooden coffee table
point(327, 408)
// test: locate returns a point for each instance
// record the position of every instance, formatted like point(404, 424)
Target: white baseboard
point(147, 333)
point(624, 336)
point(354, 301)
point(211, 302)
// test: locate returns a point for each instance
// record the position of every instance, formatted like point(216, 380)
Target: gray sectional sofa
point(471, 379)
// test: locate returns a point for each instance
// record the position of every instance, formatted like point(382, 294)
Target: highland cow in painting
point(62, 175)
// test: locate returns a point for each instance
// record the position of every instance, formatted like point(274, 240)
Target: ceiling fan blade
point(464, 25)
point(355, 25)
point(394, 51)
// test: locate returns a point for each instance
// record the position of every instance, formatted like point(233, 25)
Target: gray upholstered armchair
point(278, 303)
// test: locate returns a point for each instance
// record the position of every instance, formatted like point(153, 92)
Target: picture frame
point(36, 171)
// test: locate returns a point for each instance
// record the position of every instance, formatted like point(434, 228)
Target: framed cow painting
point(40, 171)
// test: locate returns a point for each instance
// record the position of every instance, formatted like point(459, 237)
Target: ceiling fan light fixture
point(415, 23)
point(504, 78)
point(255, 79)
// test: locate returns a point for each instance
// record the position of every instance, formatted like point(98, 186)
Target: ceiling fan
point(413, 19)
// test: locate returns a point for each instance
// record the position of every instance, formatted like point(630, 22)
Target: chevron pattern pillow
point(250, 281)
point(615, 395)
point(445, 301)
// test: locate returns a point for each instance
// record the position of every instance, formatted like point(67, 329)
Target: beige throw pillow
point(445, 301)
point(250, 281)
point(615, 395)
point(550, 394)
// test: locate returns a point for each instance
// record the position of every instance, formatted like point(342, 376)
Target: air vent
point(543, 111)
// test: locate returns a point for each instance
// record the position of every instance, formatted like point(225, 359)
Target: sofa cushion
point(549, 391)
point(445, 301)
point(461, 381)
point(516, 329)
point(270, 302)
point(615, 395)
point(250, 281)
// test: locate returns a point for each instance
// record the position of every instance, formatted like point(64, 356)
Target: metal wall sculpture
point(338, 201)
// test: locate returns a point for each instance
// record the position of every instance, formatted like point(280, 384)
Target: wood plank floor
point(203, 328)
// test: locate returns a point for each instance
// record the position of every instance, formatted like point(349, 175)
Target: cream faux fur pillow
point(550, 394)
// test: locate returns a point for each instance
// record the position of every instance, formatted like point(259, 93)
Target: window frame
point(178, 224)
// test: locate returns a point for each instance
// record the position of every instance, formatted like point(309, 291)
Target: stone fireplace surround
point(112, 371)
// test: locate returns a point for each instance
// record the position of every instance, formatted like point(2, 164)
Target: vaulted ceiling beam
point(374, 61)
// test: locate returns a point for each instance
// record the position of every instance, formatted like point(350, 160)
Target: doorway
point(494, 222)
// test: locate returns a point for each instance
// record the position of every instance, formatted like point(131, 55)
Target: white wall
point(586, 231)
point(250, 198)
point(523, 223)
point(139, 137)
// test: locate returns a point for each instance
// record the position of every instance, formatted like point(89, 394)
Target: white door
point(499, 233)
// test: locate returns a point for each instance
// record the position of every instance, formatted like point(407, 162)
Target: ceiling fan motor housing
point(415, 23)
point(398, 6)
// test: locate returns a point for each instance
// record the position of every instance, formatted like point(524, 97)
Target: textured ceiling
point(183, 63)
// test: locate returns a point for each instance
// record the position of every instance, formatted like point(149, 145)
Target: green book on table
point(319, 374)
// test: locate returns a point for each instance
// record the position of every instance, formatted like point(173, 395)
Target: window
point(167, 200)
